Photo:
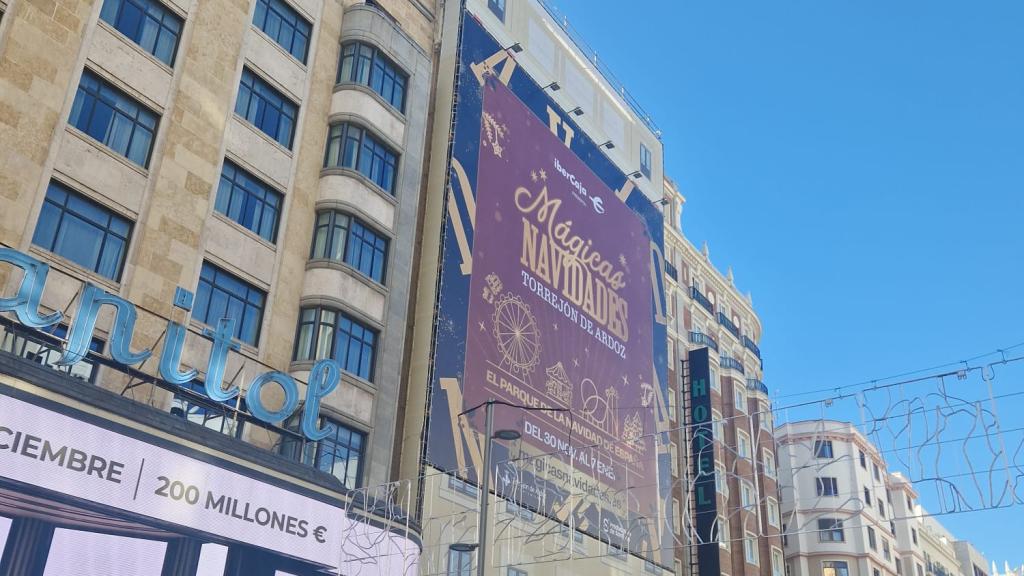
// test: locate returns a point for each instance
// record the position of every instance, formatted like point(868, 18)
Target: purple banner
point(560, 311)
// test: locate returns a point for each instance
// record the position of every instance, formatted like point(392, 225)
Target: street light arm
point(511, 405)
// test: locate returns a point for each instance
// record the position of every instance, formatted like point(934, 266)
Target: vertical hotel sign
point(702, 450)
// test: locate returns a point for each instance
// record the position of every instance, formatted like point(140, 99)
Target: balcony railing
point(725, 321)
point(757, 386)
point(703, 340)
point(702, 299)
point(727, 362)
point(671, 271)
point(749, 345)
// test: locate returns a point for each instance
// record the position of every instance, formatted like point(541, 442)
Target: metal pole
point(485, 491)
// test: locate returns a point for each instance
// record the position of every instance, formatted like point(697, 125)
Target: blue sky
point(860, 165)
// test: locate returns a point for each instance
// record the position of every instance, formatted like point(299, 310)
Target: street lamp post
point(485, 482)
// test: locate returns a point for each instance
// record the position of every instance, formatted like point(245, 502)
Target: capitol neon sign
point(323, 378)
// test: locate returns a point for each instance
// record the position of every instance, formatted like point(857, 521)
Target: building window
point(747, 494)
point(877, 473)
point(764, 417)
point(881, 508)
point(785, 536)
point(148, 23)
point(198, 409)
point(739, 397)
point(76, 228)
point(327, 333)
point(723, 532)
point(352, 147)
point(830, 530)
point(772, 511)
point(834, 568)
point(823, 449)
point(248, 201)
point(340, 454)
point(223, 295)
point(750, 548)
point(913, 535)
point(343, 238)
point(876, 572)
point(645, 160)
point(716, 384)
point(113, 118)
point(872, 543)
point(515, 572)
point(768, 462)
point(920, 570)
point(863, 459)
point(284, 25)
point(721, 482)
point(827, 486)
point(460, 563)
point(367, 65)
point(616, 552)
point(777, 562)
point(461, 486)
point(519, 511)
point(886, 552)
point(867, 497)
point(717, 426)
point(266, 108)
point(497, 8)
point(38, 350)
point(742, 444)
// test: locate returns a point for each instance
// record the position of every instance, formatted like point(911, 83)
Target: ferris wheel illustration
point(517, 334)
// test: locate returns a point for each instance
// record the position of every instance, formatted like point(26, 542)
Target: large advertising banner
point(559, 307)
point(550, 297)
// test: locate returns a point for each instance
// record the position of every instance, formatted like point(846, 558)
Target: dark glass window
point(219, 416)
point(82, 231)
point(341, 237)
point(223, 295)
point(266, 108)
point(460, 563)
point(327, 333)
point(248, 201)
point(349, 146)
point(44, 353)
point(645, 160)
point(340, 454)
point(366, 65)
point(284, 25)
point(148, 23)
point(497, 8)
point(823, 449)
point(863, 459)
point(827, 486)
point(830, 530)
point(113, 118)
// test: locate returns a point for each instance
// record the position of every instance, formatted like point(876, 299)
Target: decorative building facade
point(706, 311)
point(205, 249)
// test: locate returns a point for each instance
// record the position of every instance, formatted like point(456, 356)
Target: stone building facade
point(199, 161)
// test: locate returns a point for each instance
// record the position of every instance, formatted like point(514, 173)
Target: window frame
point(311, 453)
point(839, 568)
point(259, 88)
point(236, 185)
point(824, 450)
point(364, 64)
point(240, 323)
point(340, 137)
point(751, 554)
point(646, 161)
point(60, 197)
point(832, 527)
point(743, 440)
point(94, 89)
point(152, 10)
point(772, 512)
point(822, 482)
point(353, 236)
point(767, 456)
point(290, 11)
point(314, 346)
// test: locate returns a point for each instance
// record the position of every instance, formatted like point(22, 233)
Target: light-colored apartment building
point(239, 181)
point(846, 515)
point(707, 311)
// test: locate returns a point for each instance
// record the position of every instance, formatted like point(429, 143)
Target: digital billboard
point(550, 301)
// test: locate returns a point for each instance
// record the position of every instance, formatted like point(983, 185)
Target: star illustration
point(586, 350)
point(543, 174)
point(576, 362)
point(482, 327)
point(533, 175)
point(622, 259)
point(625, 380)
point(555, 325)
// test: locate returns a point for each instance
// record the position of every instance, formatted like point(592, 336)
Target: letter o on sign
point(255, 402)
